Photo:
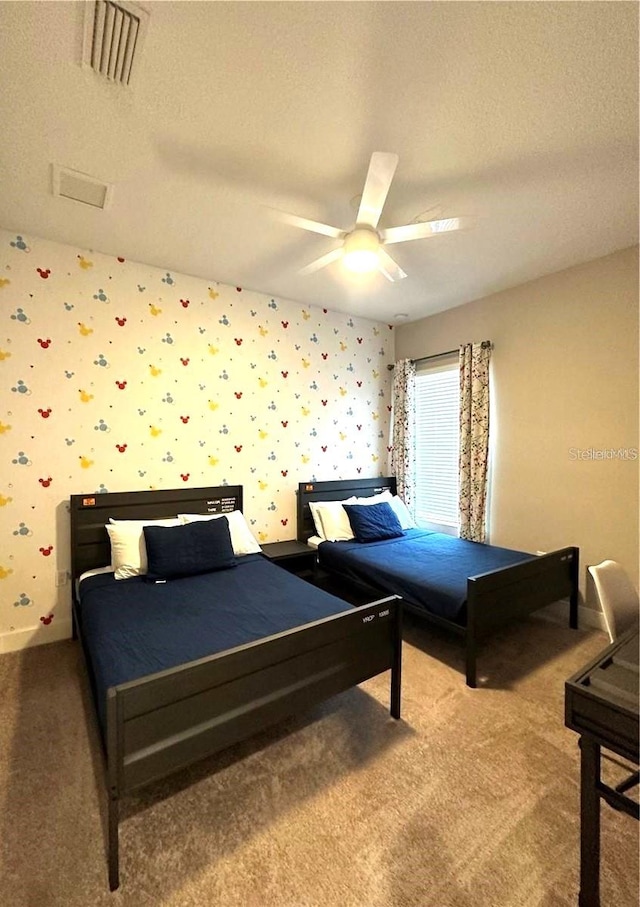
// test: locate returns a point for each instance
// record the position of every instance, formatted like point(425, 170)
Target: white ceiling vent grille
point(113, 38)
point(80, 187)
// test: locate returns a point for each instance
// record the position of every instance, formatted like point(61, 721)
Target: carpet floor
point(470, 800)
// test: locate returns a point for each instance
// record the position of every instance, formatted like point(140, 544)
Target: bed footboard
point(166, 721)
point(498, 597)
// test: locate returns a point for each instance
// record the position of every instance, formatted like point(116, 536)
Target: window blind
point(437, 443)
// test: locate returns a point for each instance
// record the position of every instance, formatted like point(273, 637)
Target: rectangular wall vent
point(113, 38)
point(80, 187)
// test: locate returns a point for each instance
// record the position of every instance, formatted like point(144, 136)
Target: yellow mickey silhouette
point(213, 406)
point(4, 428)
point(84, 262)
point(4, 355)
point(262, 433)
point(155, 371)
point(4, 572)
point(262, 485)
point(4, 281)
point(212, 293)
point(84, 330)
point(85, 396)
point(154, 432)
point(262, 382)
point(4, 501)
point(213, 461)
point(213, 349)
point(85, 462)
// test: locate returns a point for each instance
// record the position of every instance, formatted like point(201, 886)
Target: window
point(437, 444)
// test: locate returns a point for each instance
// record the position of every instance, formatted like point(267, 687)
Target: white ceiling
point(522, 116)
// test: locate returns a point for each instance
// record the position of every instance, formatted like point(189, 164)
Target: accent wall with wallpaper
point(118, 376)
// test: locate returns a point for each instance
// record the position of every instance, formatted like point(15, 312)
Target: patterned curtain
point(403, 428)
point(474, 438)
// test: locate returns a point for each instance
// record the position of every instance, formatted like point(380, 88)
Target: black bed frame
point(165, 721)
point(493, 599)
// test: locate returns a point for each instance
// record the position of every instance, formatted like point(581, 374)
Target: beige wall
point(564, 378)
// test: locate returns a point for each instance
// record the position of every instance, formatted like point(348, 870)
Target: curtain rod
point(435, 356)
point(484, 345)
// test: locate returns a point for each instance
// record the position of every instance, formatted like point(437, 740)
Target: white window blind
point(437, 443)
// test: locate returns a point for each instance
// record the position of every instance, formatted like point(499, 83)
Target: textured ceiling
point(520, 116)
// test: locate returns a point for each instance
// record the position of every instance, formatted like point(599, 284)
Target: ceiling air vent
point(113, 37)
point(80, 187)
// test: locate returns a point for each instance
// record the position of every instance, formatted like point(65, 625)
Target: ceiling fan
point(362, 249)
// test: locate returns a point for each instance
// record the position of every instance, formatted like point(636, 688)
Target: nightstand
point(294, 556)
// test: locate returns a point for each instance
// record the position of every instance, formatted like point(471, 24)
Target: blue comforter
point(132, 627)
point(427, 569)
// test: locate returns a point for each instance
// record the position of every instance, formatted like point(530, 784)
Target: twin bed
point(181, 668)
point(470, 588)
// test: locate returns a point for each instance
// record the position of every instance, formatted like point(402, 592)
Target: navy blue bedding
point(132, 627)
point(428, 569)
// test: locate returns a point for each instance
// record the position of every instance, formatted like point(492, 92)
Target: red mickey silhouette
point(285, 423)
point(121, 447)
point(121, 384)
point(324, 355)
point(121, 321)
point(238, 394)
point(285, 521)
point(45, 482)
point(45, 413)
point(184, 419)
point(184, 361)
point(45, 344)
point(238, 341)
point(238, 447)
point(184, 303)
point(284, 472)
point(285, 374)
point(184, 476)
point(47, 620)
point(44, 272)
point(45, 552)
point(285, 324)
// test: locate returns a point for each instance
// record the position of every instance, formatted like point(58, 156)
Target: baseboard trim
point(558, 612)
point(35, 636)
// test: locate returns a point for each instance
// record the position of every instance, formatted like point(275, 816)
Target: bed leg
point(470, 662)
point(396, 667)
point(573, 599)
point(113, 814)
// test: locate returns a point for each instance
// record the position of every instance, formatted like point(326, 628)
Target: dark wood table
point(601, 704)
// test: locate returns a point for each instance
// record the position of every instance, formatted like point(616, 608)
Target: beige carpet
point(471, 800)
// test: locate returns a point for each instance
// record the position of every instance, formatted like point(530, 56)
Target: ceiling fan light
point(361, 261)
point(361, 250)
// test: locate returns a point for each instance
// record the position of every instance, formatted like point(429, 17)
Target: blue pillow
point(373, 522)
point(188, 550)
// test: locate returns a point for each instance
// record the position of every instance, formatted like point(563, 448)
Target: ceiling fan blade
point(321, 262)
point(313, 225)
point(376, 187)
point(420, 231)
point(388, 267)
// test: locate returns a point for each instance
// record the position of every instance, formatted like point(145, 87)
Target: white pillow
point(402, 512)
point(242, 539)
point(397, 505)
point(331, 520)
point(128, 550)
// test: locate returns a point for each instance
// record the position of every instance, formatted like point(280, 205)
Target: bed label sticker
point(88, 502)
point(369, 617)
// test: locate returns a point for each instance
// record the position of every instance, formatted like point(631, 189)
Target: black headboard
point(90, 545)
point(335, 491)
